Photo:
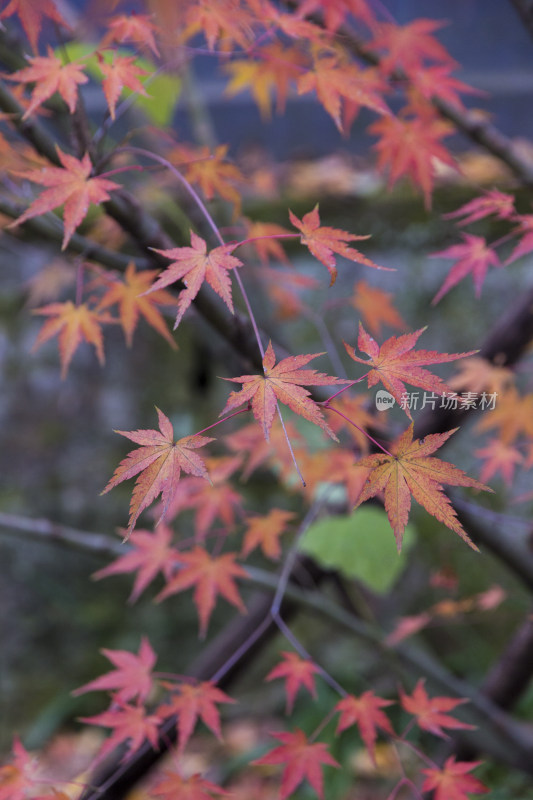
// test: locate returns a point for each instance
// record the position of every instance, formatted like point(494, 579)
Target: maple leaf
point(150, 554)
point(452, 781)
point(18, 777)
point(376, 308)
point(406, 46)
point(50, 75)
point(297, 672)
point(303, 759)
point(512, 416)
point(324, 241)
point(365, 712)
point(120, 72)
point(174, 786)
point(226, 21)
point(525, 245)
point(250, 439)
point(430, 712)
point(193, 265)
point(217, 499)
point(72, 324)
point(191, 702)
point(129, 294)
point(410, 147)
point(69, 185)
point(133, 676)
point(396, 363)
point(336, 83)
point(474, 256)
point(436, 81)
point(500, 457)
point(411, 470)
point(265, 532)
point(264, 246)
point(136, 28)
point(128, 722)
point(335, 11)
point(275, 67)
point(210, 576)
point(160, 461)
point(491, 202)
point(210, 171)
point(282, 382)
point(31, 13)
point(478, 375)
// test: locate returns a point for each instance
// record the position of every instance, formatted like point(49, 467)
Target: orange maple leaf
point(323, 242)
point(160, 461)
point(217, 499)
point(120, 72)
point(210, 171)
point(133, 676)
point(266, 245)
point(297, 672)
point(129, 294)
point(499, 457)
point(191, 702)
point(150, 553)
point(195, 264)
point(31, 13)
point(273, 70)
point(452, 781)
point(225, 21)
point(376, 308)
point(336, 83)
point(265, 532)
point(411, 470)
point(430, 712)
point(396, 363)
point(365, 712)
point(136, 28)
point(474, 256)
point(335, 11)
point(69, 185)
point(410, 147)
point(283, 382)
point(127, 722)
point(195, 787)
point(72, 324)
point(303, 758)
point(50, 75)
point(19, 777)
point(512, 416)
point(210, 575)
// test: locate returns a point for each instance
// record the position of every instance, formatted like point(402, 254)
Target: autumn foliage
point(153, 234)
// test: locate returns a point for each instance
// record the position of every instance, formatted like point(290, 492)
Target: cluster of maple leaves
point(271, 52)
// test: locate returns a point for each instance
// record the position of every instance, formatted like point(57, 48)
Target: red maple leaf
point(410, 147)
point(452, 781)
point(72, 324)
point(31, 13)
point(365, 712)
point(323, 242)
point(50, 75)
point(174, 786)
point(191, 702)
point(303, 759)
point(128, 722)
point(436, 81)
point(297, 672)
point(335, 11)
point(69, 185)
point(430, 712)
point(474, 256)
point(120, 72)
point(282, 381)
point(376, 308)
point(193, 265)
point(129, 295)
point(265, 532)
point(411, 470)
point(396, 363)
point(210, 576)
point(150, 554)
point(407, 46)
point(19, 776)
point(499, 457)
point(491, 202)
point(133, 676)
point(136, 28)
point(160, 461)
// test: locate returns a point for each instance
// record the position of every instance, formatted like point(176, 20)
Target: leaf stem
point(220, 421)
point(365, 433)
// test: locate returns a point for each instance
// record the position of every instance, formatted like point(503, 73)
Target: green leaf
point(163, 90)
point(360, 545)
